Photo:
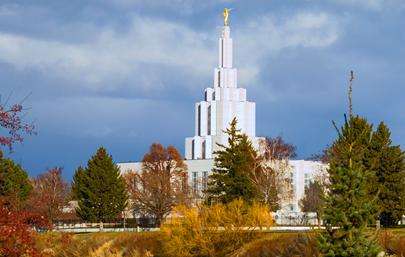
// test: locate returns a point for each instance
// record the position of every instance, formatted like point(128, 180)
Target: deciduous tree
point(50, 194)
point(161, 184)
point(100, 189)
point(313, 200)
point(271, 172)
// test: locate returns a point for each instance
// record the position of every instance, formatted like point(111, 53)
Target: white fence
point(82, 228)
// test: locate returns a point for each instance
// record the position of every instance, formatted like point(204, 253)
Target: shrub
point(215, 230)
point(17, 232)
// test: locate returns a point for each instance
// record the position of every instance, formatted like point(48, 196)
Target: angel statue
point(226, 16)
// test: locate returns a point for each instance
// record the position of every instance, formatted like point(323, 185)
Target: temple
point(222, 102)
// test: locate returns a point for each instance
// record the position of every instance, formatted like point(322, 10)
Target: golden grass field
point(148, 244)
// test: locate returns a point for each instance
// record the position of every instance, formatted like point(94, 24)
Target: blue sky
point(126, 73)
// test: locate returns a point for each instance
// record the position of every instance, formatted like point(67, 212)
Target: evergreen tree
point(232, 165)
point(15, 185)
point(352, 147)
point(352, 144)
point(79, 182)
point(349, 209)
point(388, 161)
point(99, 189)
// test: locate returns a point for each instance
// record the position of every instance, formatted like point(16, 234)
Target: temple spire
point(225, 48)
point(222, 102)
point(225, 43)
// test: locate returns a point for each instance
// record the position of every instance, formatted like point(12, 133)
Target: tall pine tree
point(352, 147)
point(388, 162)
point(232, 165)
point(349, 208)
point(99, 189)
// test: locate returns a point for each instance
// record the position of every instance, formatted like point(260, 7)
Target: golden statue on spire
point(226, 16)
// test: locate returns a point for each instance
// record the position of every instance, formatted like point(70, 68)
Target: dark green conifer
point(99, 189)
point(352, 147)
point(15, 185)
point(232, 165)
point(349, 208)
point(388, 162)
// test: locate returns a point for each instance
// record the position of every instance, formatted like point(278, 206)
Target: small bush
point(17, 232)
point(215, 230)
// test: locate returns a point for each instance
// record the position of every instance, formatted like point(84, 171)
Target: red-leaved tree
point(17, 228)
point(17, 232)
point(50, 194)
point(161, 184)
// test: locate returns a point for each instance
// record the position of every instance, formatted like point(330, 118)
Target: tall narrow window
point(206, 96)
point(219, 78)
point(195, 182)
point(306, 180)
point(292, 182)
point(192, 149)
point(203, 150)
point(209, 120)
point(205, 180)
point(199, 119)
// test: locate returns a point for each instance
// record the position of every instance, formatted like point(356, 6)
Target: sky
point(126, 73)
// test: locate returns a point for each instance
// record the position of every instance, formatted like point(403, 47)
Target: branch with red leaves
point(12, 125)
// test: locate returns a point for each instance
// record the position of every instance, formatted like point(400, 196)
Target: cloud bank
point(112, 56)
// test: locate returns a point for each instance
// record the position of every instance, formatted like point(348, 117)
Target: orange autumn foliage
point(215, 230)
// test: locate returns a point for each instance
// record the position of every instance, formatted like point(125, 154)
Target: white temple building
point(223, 101)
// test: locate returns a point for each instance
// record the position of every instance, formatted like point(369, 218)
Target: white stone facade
point(222, 102)
point(302, 173)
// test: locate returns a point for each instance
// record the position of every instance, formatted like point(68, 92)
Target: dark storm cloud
point(115, 73)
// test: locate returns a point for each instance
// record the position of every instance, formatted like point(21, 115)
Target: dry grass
point(280, 245)
point(393, 241)
point(99, 244)
point(150, 245)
